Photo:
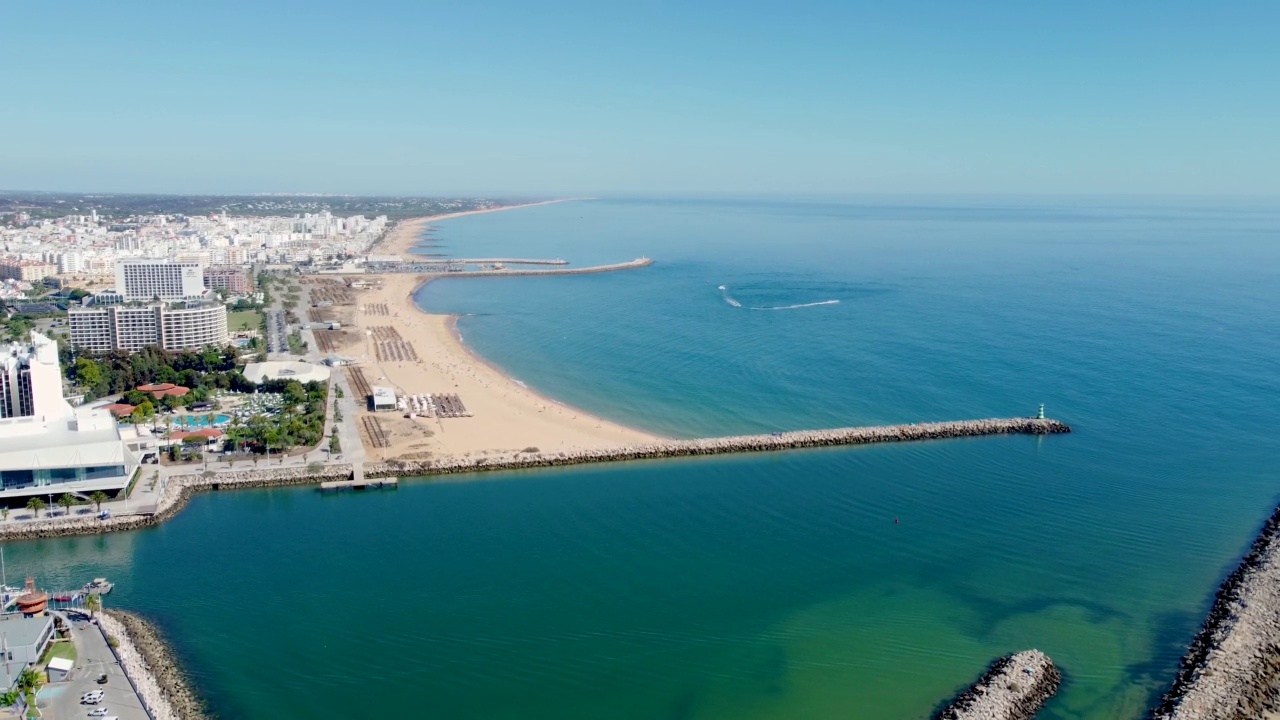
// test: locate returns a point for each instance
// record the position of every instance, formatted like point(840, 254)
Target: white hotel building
point(46, 446)
point(133, 325)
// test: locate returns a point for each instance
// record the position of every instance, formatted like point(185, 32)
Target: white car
point(91, 698)
point(98, 712)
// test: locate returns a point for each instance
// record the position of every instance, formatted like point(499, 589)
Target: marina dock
point(360, 484)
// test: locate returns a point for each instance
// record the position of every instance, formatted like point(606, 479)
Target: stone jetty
point(1232, 668)
point(1014, 687)
point(726, 445)
point(179, 488)
point(151, 667)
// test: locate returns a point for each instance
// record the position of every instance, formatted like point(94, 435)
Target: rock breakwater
point(179, 488)
point(1232, 668)
point(1014, 687)
point(730, 444)
point(151, 667)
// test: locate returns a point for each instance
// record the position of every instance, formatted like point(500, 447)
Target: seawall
point(1014, 687)
point(177, 493)
point(731, 444)
point(1232, 667)
point(151, 667)
point(179, 488)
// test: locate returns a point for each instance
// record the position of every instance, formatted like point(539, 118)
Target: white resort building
point(159, 279)
point(101, 328)
point(49, 448)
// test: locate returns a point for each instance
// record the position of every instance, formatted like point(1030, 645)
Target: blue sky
point(665, 98)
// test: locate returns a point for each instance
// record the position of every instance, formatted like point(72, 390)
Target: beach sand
point(506, 417)
point(408, 233)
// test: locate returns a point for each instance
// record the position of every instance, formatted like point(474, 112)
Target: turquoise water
point(775, 586)
point(201, 420)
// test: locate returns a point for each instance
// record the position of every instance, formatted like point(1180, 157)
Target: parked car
point(98, 712)
point(102, 679)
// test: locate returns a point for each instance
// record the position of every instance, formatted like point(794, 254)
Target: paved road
point(94, 658)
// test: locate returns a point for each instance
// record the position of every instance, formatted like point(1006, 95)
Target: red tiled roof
point(159, 390)
point(207, 433)
point(118, 409)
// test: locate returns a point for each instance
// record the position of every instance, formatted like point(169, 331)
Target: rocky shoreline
point(152, 668)
point(1014, 687)
point(1232, 668)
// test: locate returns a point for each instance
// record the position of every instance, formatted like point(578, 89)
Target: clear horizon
point(569, 99)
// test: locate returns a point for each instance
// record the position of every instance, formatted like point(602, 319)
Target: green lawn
point(63, 649)
point(244, 320)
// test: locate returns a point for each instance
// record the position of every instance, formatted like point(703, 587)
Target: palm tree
point(66, 501)
point(35, 504)
point(98, 497)
point(93, 603)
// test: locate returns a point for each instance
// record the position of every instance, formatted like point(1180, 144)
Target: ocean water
point(861, 582)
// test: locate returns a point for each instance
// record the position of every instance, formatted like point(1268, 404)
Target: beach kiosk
point(384, 399)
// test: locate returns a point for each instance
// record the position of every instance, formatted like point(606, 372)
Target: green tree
point(67, 501)
point(93, 603)
point(28, 680)
point(89, 373)
point(98, 497)
point(35, 504)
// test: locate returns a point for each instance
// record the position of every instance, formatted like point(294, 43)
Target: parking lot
point(94, 658)
point(277, 335)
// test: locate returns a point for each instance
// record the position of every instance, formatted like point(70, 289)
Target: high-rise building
point(98, 328)
point(145, 280)
point(46, 446)
point(31, 379)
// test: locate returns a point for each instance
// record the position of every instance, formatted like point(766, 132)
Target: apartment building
point(139, 279)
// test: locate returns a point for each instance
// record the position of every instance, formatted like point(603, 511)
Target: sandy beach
point(407, 233)
point(506, 416)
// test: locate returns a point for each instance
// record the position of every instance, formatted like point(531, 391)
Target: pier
point(1232, 668)
point(446, 267)
point(360, 484)
point(1014, 687)
point(180, 488)
point(733, 444)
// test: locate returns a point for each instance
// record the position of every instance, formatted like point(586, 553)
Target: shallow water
point(775, 586)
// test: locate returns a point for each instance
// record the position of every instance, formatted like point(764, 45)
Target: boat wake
point(724, 291)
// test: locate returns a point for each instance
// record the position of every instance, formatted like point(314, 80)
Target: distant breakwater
point(1232, 667)
point(1014, 687)
point(151, 667)
point(793, 440)
point(442, 269)
point(179, 488)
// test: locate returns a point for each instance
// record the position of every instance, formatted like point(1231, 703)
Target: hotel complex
point(46, 446)
point(159, 280)
point(133, 327)
point(190, 322)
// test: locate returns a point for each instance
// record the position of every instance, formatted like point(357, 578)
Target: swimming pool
point(201, 420)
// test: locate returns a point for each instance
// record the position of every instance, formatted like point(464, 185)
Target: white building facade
point(50, 448)
point(133, 327)
point(150, 279)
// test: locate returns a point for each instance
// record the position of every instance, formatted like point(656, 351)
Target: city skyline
point(500, 99)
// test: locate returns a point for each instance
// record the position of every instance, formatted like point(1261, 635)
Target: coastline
point(407, 233)
point(151, 666)
point(508, 417)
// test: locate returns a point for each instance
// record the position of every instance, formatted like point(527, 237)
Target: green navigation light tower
point(1040, 415)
